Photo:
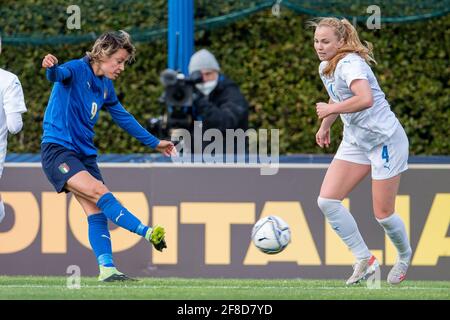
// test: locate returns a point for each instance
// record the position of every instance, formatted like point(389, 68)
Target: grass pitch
point(26, 287)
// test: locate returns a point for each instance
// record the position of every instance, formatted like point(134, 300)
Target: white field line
point(13, 286)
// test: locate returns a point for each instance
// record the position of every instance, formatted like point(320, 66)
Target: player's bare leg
point(85, 186)
point(341, 178)
point(384, 193)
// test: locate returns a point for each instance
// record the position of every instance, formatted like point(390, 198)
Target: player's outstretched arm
point(126, 121)
point(54, 72)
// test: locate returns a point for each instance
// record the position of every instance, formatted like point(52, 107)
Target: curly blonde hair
point(111, 42)
point(344, 30)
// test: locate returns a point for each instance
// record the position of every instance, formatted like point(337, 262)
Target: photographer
point(217, 101)
point(205, 99)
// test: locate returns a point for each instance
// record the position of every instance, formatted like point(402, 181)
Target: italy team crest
point(64, 168)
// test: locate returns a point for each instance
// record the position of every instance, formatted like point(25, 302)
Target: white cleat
point(362, 269)
point(398, 272)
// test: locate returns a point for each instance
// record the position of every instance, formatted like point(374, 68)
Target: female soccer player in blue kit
point(69, 158)
point(374, 141)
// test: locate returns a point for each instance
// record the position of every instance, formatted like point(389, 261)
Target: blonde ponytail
point(344, 30)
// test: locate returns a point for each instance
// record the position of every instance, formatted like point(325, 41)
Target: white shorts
point(387, 159)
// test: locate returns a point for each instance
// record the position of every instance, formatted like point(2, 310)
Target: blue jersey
point(77, 97)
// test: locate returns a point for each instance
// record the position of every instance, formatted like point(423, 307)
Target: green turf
point(21, 287)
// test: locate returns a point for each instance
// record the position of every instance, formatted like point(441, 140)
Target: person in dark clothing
point(218, 103)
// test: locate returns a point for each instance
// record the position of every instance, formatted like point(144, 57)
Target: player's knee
point(98, 190)
point(328, 205)
point(383, 212)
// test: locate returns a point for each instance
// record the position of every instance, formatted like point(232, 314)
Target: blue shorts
point(60, 164)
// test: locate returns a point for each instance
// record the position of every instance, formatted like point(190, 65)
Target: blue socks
point(99, 236)
point(119, 215)
point(100, 239)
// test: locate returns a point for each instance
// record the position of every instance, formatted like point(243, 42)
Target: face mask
point(207, 87)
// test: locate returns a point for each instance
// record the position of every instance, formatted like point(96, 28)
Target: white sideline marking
point(216, 287)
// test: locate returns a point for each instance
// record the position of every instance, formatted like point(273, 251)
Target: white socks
point(2, 211)
point(342, 221)
point(395, 229)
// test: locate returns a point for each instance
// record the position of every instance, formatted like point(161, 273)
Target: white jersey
point(11, 101)
point(367, 128)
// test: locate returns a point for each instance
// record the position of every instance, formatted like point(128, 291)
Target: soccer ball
point(271, 234)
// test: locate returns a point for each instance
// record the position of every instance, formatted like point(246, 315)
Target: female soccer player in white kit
point(12, 105)
point(373, 140)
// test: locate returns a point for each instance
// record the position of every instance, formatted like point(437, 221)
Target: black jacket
point(224, 108)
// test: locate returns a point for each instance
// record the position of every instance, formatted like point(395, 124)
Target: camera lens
point(178, 94)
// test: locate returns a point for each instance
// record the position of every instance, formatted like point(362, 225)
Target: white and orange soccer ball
point(271, 234)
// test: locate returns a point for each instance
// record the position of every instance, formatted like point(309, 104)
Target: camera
point(176, 101)
point(179, 88)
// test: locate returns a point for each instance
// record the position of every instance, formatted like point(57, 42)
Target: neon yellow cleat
point(156, 237)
